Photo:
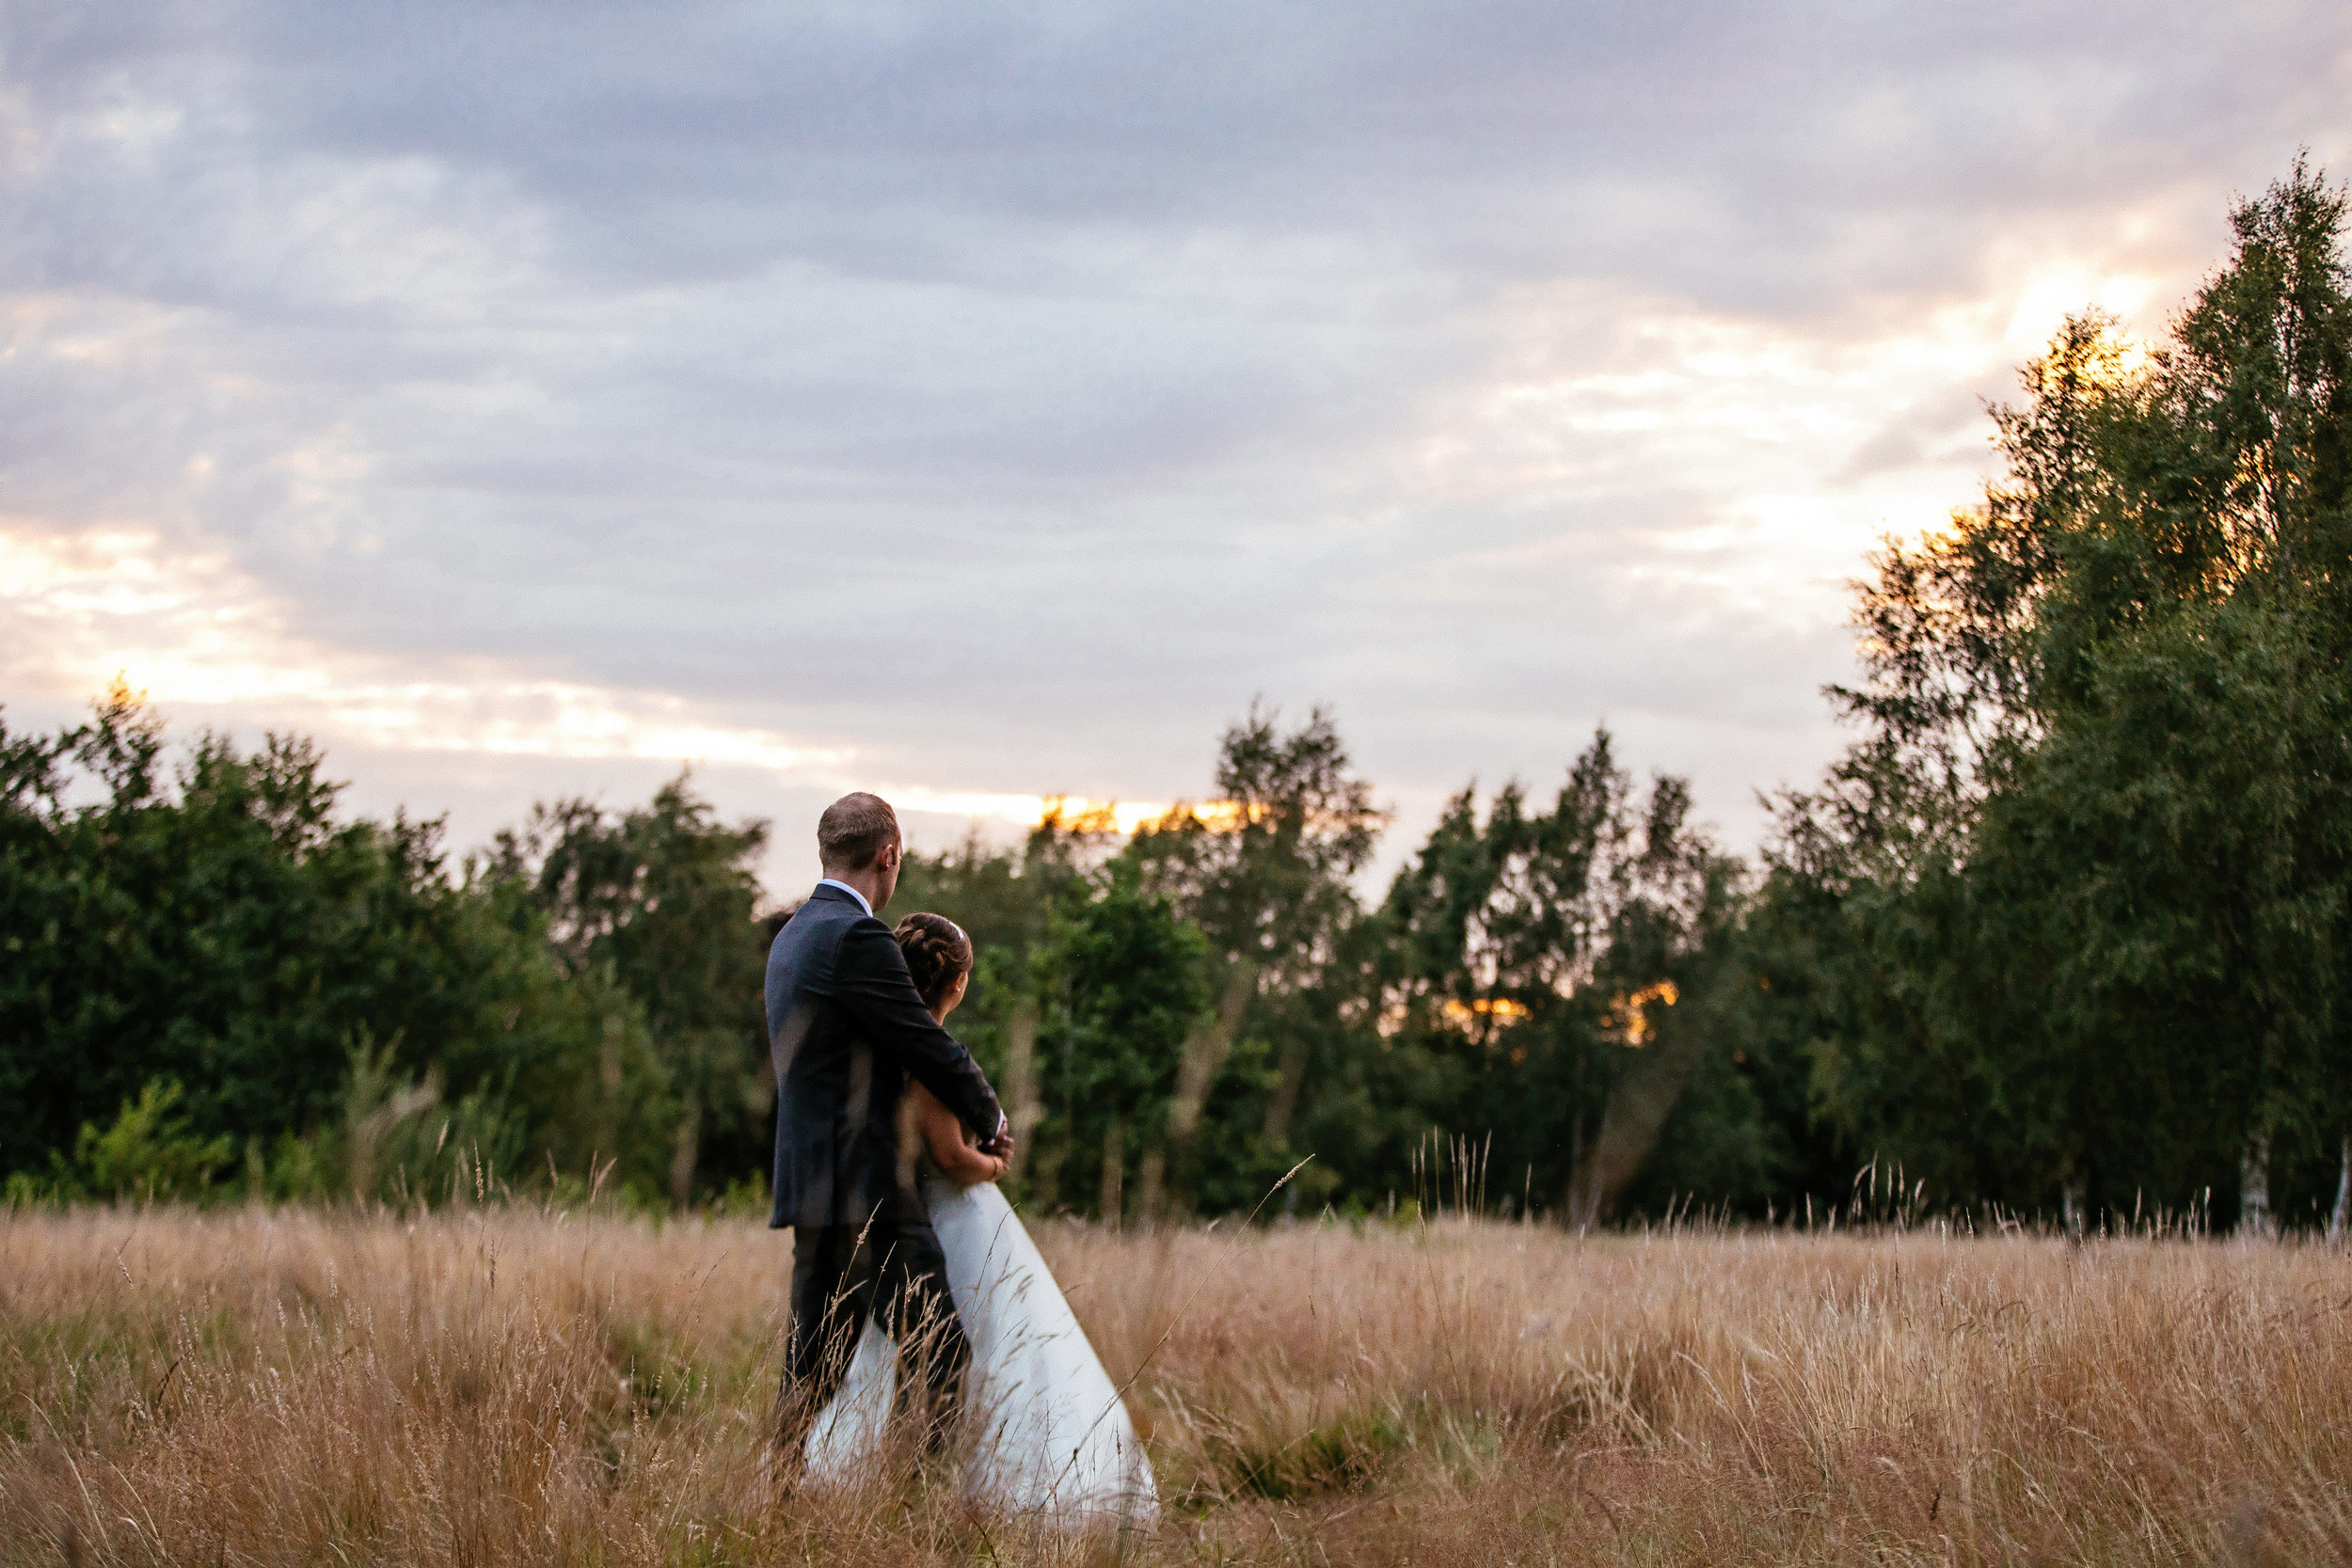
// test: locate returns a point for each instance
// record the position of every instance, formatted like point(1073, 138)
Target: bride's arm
point(949, 1141)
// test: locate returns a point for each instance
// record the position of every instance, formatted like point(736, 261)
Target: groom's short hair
point(853, 831)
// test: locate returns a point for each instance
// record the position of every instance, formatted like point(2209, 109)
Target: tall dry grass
point(508, 1387)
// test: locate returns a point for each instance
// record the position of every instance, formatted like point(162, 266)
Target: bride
point(1046, 1433)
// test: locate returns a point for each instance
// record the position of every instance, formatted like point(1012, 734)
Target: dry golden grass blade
point(511, 1387)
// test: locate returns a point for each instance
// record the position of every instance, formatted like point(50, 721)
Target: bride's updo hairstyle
point(938, 954)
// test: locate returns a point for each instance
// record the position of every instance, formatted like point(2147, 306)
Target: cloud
point(995, 402)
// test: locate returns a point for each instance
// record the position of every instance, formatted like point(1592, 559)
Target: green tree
point(659, 902)
point(2172, 863)
point(1266, 872)
point(220, 924)
point(1005, 897)
point(1122, 980)
point(2081, 881)
point(1538, 965)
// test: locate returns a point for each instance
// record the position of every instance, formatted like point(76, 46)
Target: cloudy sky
point(979, 403)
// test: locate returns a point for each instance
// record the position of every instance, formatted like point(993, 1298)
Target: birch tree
point(2092, 835)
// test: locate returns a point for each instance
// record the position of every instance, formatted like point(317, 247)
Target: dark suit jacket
point(846, 1029)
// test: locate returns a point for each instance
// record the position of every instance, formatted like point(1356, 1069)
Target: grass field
point(508, 1386)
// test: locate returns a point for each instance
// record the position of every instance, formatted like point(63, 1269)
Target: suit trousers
point(842, 1276)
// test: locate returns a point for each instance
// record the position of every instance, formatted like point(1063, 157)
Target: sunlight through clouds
point(524, 404)
point(193, 635)
point(1792, 449)
point(188, 635)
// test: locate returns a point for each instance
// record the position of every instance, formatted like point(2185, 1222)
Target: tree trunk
point(689, 1152)
point(1206, 1049)
point(2254, 1187)
point(1021, 1105)
point(1283, 1102)
point(1578, 1221)
point(609, 1080)
point(1114, 1173)
point(2071, 1212)
point(1630, 1124)
point(2341, 1219)
point(1151, 1182)
point(1584, 1200)
point(2253, 1177)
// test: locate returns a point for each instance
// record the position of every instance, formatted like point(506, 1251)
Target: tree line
point(2063, 932)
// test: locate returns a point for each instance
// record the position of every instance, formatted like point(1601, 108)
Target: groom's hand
point(1001, 1145)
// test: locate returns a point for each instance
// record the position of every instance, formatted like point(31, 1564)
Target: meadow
point(515, 1384)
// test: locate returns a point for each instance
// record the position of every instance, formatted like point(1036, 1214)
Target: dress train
point(1048, 1431)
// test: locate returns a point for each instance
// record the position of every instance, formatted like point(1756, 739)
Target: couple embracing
point(914, 1286)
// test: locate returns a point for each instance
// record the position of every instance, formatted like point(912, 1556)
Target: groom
point(847, 1030)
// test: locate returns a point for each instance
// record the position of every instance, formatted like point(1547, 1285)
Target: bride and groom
point(914, 1286)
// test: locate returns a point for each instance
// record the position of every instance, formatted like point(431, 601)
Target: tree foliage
point(660, 903)
point(2064, 929)
point(2077, 897)
point(1538, 962)
point(217, 933)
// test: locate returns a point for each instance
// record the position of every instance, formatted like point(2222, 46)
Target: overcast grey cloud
point(985, 402)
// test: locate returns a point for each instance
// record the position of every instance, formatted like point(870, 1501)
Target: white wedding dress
point(1049, 1434)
